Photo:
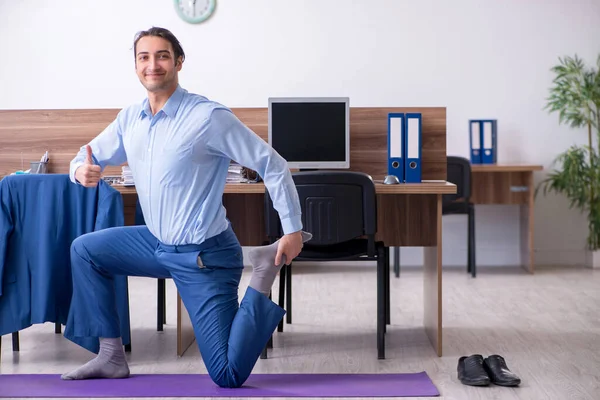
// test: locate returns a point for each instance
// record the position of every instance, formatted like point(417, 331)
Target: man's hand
point(88, 174)
point(290, 245)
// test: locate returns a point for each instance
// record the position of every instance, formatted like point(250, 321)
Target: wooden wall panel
point(257, 119)
point(368, 141)
point(26, 134)
point(58, 164)
point(368, 137)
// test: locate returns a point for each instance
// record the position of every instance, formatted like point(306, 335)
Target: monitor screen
point(311, 132)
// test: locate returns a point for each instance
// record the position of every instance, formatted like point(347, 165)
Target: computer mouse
point(391, 180)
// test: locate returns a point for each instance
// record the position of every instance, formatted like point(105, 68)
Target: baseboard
point(567, 257)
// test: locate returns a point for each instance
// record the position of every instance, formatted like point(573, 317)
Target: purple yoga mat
point(193, 385)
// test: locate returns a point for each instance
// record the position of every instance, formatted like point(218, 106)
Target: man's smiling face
point(155, 64)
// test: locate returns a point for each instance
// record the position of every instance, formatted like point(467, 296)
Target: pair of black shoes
point(476, 371)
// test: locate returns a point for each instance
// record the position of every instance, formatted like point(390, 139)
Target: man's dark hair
point(163, 33)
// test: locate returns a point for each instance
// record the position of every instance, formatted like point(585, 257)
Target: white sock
point(263, 263)
point(109, 363)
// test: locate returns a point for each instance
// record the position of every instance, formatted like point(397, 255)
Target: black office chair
point(339, 208)
point(459, 173)
point(161, 302)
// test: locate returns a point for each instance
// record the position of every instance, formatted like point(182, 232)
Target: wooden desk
point(407, 215)
point(509, 184)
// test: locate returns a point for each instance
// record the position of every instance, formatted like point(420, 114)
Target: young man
point(179, 146)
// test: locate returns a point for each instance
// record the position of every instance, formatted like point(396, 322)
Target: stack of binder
point(483, 141)
point(404, 146)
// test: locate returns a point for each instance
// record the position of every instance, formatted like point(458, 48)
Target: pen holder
point(38, 167)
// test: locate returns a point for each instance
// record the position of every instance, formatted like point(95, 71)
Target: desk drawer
point(501, 187)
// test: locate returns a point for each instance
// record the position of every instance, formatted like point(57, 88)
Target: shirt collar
point(171, 106)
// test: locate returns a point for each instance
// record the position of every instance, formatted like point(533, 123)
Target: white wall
point(480, 59)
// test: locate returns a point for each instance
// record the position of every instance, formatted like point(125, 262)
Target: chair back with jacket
point(40, 216)
point(339, 208)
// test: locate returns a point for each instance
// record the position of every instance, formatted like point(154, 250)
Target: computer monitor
point(311, 132)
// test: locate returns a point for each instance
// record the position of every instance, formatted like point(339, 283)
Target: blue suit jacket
point(40, 215)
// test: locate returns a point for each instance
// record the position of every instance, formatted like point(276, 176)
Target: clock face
point(194, 11)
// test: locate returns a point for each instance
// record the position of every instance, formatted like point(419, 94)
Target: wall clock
point(195, 11)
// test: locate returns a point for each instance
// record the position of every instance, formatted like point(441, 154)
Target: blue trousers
point(230, 335)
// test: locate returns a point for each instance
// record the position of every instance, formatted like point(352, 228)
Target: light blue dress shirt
point(179, 159)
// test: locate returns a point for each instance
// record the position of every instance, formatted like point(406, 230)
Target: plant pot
point(594, 259)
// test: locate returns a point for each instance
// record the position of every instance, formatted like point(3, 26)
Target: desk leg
point(526, 227)
point(432, 285)
point(185, 330)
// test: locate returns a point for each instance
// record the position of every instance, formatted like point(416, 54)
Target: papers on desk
point(127, 176)
point(234, 173)
point(125, 179)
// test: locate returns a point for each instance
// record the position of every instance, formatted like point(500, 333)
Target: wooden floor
point(547, 326)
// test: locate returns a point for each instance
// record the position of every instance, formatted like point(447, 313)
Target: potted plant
point(575, 95)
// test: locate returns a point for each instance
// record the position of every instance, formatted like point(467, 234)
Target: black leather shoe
point(471, 372)
point(499, 374)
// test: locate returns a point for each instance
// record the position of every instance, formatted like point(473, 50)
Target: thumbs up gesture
point(88, 174)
